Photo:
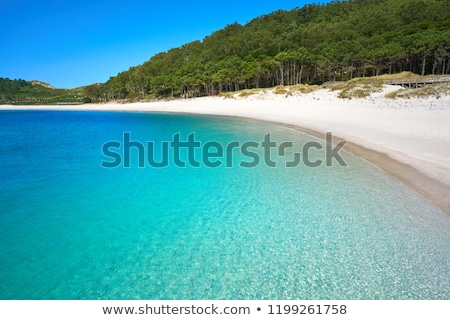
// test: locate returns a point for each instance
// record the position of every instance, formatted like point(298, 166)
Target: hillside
point(317, 43)
point(41, 83)
point(314, 44)
point(36, 92)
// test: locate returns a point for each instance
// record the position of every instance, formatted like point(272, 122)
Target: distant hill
point(41, 83)
point(36, 92)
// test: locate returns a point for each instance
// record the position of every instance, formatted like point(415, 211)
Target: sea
point(129, 205)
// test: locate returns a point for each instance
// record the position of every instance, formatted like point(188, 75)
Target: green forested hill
point(313, 44)
point(35, 92)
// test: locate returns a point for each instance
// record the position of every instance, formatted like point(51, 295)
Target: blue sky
point(79, 42)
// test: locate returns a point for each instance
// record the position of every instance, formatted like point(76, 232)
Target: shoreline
point(430, 189)
point(407, 139)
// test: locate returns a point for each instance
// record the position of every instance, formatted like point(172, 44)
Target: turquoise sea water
point(71, 229)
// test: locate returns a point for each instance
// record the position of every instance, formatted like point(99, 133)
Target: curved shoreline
point(428, 179)
point(428, 188)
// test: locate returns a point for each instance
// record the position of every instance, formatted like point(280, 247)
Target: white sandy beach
point(415, 132)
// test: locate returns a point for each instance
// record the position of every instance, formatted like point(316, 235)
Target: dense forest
point(339, 40)
point(313, 44)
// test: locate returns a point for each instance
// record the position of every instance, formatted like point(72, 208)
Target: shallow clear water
point(71, 229)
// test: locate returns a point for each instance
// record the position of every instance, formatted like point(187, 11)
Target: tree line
point(313, 44)
point(339, 40)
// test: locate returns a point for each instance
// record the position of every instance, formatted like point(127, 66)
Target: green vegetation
point(338, 41)
point(314, 44)
point(36, 92)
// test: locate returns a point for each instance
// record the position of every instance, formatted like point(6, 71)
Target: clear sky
point(80, 42)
